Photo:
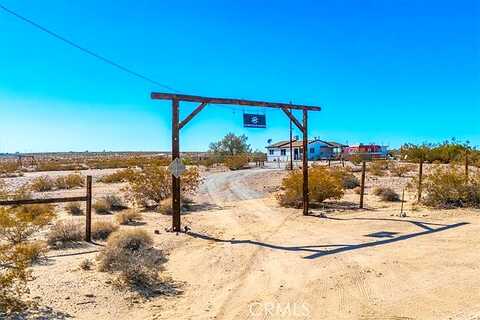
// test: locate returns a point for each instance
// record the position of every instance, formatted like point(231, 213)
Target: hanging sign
point(254, 120)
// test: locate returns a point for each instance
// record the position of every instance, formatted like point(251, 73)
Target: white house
point(317, 149)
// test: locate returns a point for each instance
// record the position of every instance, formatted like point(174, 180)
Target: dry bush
point(349, 180)
point(322, 184)
point(70, 181)
point(123, 175)
point(65, 232)
point(86, 264)
point(153, 184)
point(18, 224)
point(378, 167)
point(130, 253)
point(236, 162)
point(20, 193)
point(74, 208)
point(165, 206)
point(400, 170)
point(59, 165)
point(8, 167)
point(448, 188)
point(101, 229)
point(109, 203)
point(14, 275)
point(128, 217)
point(386, 194)
point(42, 183)
point(3, 190)
point(35, 250)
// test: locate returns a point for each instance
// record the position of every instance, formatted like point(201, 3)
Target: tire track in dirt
point(234, 188)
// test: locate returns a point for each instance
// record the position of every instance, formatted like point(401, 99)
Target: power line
point(85, 50)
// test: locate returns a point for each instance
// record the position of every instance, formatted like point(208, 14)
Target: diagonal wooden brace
point(294, 120)
point(191, 115)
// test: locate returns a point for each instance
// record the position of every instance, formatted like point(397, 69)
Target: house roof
point(295, 143)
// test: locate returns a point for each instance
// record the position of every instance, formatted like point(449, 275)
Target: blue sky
point(383, 71)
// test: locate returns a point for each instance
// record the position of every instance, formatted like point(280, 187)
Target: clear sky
point(383, 71)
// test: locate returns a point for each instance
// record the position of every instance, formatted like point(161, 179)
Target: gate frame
point(177, 125)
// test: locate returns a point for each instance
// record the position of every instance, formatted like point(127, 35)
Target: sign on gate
point(176, 167)
point(254, 120)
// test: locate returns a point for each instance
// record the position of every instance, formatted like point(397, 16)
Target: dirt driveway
point(248, 258)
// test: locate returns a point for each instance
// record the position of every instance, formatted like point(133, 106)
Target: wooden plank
point(292, 118)
point(41, 201)
point(241, 102)
point(191, 115)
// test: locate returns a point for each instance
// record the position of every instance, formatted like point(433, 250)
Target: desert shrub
point(42, 183)
point(101, 229)
point(356, 159)
point(128, 217)
point(86, 264)
point(386, 194)
point(109, 203)
point(35, 250)
point(70, 181)
point(448, 188)
point(8, 167)
point(401, 170)
point(349, 180)
point(165, 206)
point(14, 275)
point(236, 162)
point(322, 184)
point(378, 167)
point(20, 193)
point(130, 253)
point(3, 190)
point(119, 176)
point(65, 232)
point(153, 184)
point(59, 165)
point(18, 224)
point(74, 208)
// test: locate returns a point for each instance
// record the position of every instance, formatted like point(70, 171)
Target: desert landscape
point(246, 257)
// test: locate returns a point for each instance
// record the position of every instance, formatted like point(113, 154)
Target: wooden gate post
point(362, 183)
point(420, 177)
point(176, 223)
point(305, 164)
point(88, 211)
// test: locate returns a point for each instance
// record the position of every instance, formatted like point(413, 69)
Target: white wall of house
point(316, 150)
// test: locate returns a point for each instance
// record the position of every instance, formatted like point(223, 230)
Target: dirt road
point(254, 260)
point(248, 258)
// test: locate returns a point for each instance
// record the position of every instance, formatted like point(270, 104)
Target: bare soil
point(247, 258)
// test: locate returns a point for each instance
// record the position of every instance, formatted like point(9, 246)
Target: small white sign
point(176, 167)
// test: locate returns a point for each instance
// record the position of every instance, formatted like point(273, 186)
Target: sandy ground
point(248, 258)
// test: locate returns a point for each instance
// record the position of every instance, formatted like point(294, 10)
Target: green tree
point(231, 145)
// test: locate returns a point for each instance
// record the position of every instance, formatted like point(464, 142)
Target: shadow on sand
point(317, 251)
